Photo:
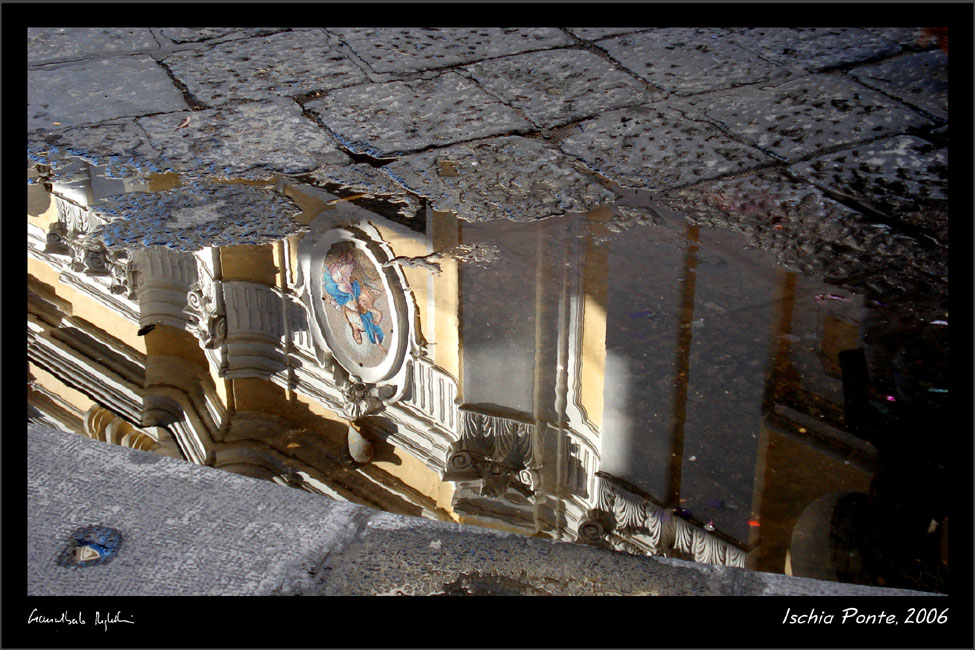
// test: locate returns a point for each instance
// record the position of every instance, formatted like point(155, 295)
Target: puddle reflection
point(661, 390)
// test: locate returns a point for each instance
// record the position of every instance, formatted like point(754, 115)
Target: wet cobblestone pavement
point(826, 105)
point(727, 247)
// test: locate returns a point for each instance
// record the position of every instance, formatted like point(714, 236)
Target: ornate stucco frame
point(389, 380)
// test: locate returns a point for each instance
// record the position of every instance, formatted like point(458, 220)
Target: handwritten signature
point(69, 618)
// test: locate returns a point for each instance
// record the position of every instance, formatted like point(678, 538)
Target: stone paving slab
point(920, 80)
point(195, 215)
point(815, 49)
point(685, 61)
point(46, 44)
point(686, 140)
point(97, 91)
point(596, 33)
point(286, 64)
point(905, 178)
point(408, 50)
point(555, 87)
point(199, 34)
point(655, 148)
point(810, 233)
point(800, 117)
point(911, 38)
point(513, 178)
point(386, 119)
point(253, 140)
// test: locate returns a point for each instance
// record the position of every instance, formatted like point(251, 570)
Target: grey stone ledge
point(192, 530)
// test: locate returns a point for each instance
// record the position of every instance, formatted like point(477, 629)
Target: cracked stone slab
point(920, 80)
point(406, 50)
point(596, 33)
point(50, 44)
point(511, 177)
point(198, 34)
point(285, 64)
point(559, 86)
point(370, 182)
point(359, 178)
point(810, 233)
point(800, 117)
point(655, 148)
point(96, 91)
point(685, 61)
point(815, 48)
point(253, 140)
point(905, 178)
point(385, 119)
point(195, 215)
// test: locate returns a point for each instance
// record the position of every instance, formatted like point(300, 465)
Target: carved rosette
point(359, 398)
point(499, 452)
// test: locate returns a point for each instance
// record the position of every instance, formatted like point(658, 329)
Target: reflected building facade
point(552, 378)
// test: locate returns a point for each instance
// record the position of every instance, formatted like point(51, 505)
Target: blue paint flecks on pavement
point(91, 545)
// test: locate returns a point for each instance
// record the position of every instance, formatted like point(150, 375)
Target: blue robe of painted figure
point(341, 297)
point(373, 331)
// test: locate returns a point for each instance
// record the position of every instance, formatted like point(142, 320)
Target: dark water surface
point(646, 384)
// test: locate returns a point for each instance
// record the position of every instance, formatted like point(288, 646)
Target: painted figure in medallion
point(349, 288)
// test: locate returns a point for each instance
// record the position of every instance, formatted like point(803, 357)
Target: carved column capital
point(498, 452)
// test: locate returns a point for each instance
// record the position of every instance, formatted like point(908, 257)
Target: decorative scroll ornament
point(88, 257)
point(496, 451)
point(57, 239)
point(208, 320)
point(122, 270)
